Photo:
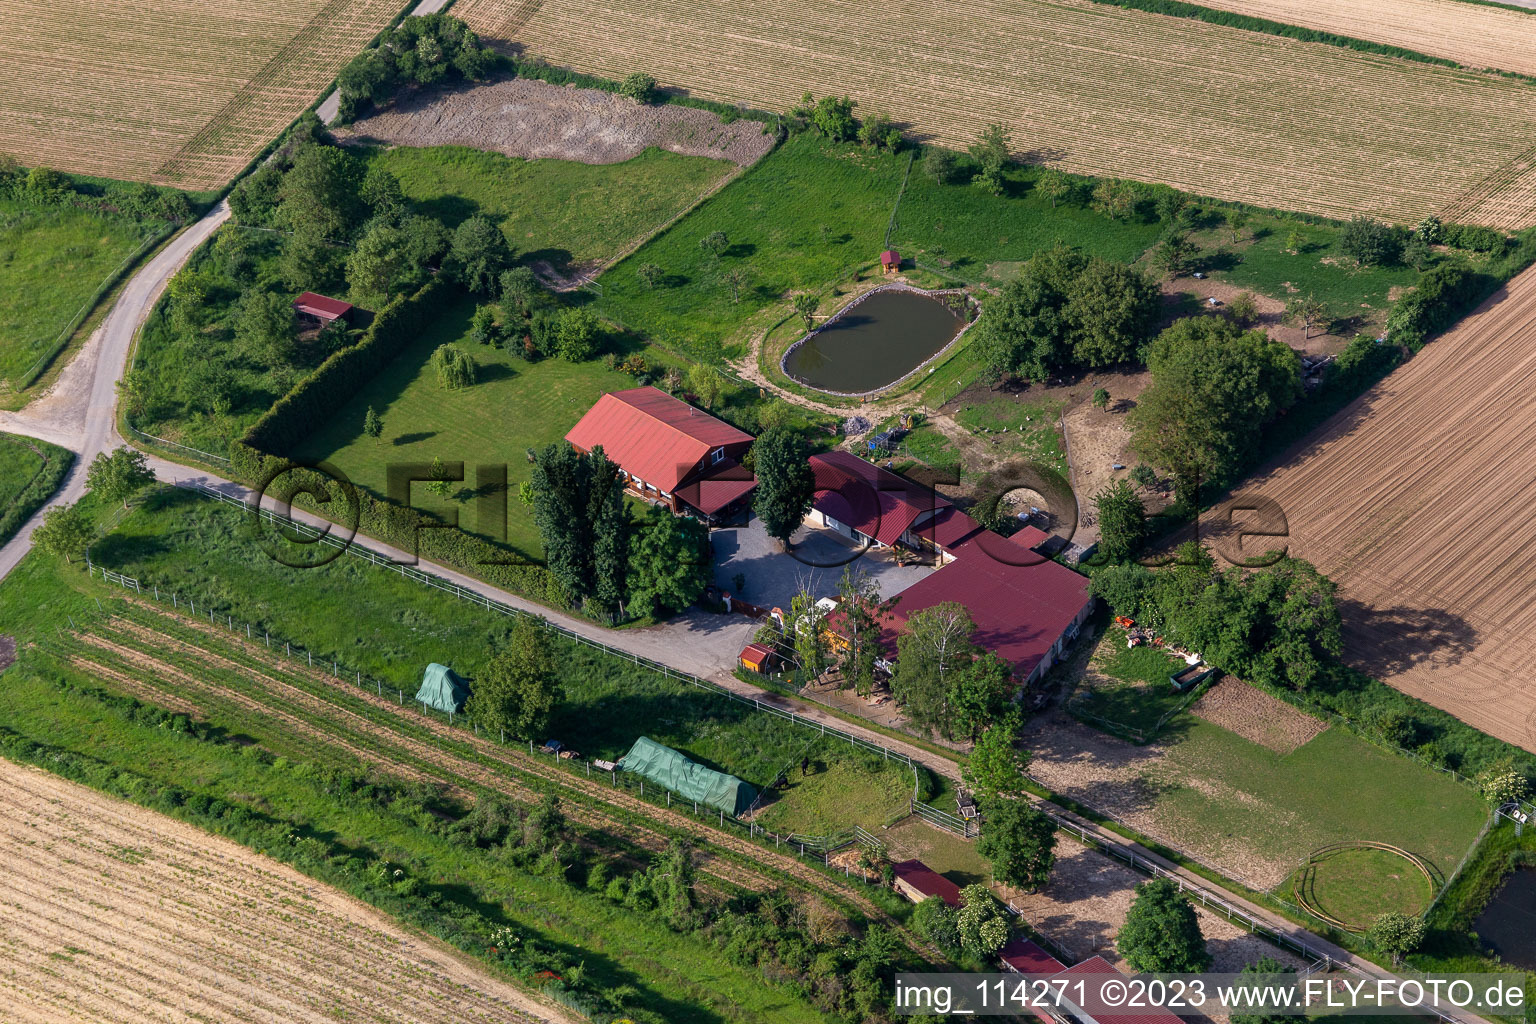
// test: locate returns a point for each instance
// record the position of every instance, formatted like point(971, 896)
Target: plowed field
point(180, 92)
point(1095, 89)
point(1419, 499)
point(111, 912)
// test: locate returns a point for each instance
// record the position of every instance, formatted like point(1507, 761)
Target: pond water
point(1508, 924)
point(874, 343)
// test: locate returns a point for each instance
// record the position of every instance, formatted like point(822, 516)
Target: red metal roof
point(1021, 602)
point(950, 529)
point(890, 257)
point(652, 435)
point(927, 881)
point(321, 306)
point(1096, 966)
point(1024, 956)
point(724, 484)
point(874, 501)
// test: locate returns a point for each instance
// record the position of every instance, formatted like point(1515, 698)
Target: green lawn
point(812, 212)
point(515, 406)
point(1026, 428)
point(1214, 785)
point(1131, 690)
point(1357, 886)
point(52, 259)
point(555, 210)
point(30, 471)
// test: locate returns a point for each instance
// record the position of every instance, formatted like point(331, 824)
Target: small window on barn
point(718, 455)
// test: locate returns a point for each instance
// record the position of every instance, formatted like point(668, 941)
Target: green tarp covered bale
point(666, 767)
point(443, 690)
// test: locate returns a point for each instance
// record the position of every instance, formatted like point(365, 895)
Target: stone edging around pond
point(919, 368)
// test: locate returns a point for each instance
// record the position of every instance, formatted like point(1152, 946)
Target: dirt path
point(114, 912)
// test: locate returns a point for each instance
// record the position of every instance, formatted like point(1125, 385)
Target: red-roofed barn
point(669, 452)
point(319, 307)
point(869, 504)
point(917, 881)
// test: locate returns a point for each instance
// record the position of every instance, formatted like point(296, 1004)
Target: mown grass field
point(809, 216)
point(557, 211)
point(52, 259)
point(516, 405)
point(182, 94)
point(1095, 89)
point(1130, 687)
point(1357, 886)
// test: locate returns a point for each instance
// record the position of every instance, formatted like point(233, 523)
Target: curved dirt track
point(113, 912)
point(1419, 500)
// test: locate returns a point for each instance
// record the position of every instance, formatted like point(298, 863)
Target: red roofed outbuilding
point(321, 308)
point(669, 451)
point(866, 503)
point(917, 881)
point(890, 261)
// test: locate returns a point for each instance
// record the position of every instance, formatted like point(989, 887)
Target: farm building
point(890, 261)
point(670, 453)
point(1023, 956)
point(871, 505)
point(322, 309)
point(917, 881)
point(671, 770)
point(442, 689)
point(757, 657)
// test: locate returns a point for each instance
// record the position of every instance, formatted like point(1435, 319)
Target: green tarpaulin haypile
point(666, 767)
point(443, 690)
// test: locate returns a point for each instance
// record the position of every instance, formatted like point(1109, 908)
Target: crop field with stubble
point(178, 92)
point(114, 912)
point(1091, 88)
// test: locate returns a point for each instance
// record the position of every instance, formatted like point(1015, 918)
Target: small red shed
point(757, 657)
point(890, 261)
point(917, 881)
point(321, 308)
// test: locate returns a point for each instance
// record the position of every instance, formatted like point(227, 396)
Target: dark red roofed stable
point(866, 499)
point(1025, 957)
point(322, 308)
point(917, 881)
point(669, 450)
point(1097, 966)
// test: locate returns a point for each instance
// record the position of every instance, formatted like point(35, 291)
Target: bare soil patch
point(1271, 314)
point(1254, 715)
point(7, 652)
point(524, 117)
point(114, 912)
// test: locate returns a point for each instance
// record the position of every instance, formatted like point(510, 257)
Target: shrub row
point(56, 463)
point(1442, 296)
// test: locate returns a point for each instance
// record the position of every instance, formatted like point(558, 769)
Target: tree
point(995, 766)
point(119, 475)
point(1175, 255)
point(577, 333)
point(980, 691)
point(611, 529)
point(1117, 200)
point(519, 687)
point(1236, 220)
point(380, 265)
point(1243, 309)
point(639, 87)
point(478, 255)
point(990, 151)
point(563, 509)
point(455, 369)
point(1306, 311)
point(805, 305)
point(322, 190)
point(1265, 973)
point(940, 164)
point(1504, 781)
point(1214, 388)
point(736, 277)
point(65, 531)
point(482, 325)
point(938, 922)
point(669, 565)
point(785, 483)
point(373, 424)
point(1053, 185)
point(1396, 934)
point(520, 289)
point(264, 327)
point(438, 480)
point(1122, 521)
point(1369, 242)
point(715, 243)
point(935, 645)
point(1295, 241)
point(1417, 253)
point(1100, 398)
point(1019, 842)
point(879, 133)
point(834, 118)
point(706, 384)
point(1161, 934)
point(309, 261)
point(861, 610)
point(381, 191)
point(807, 622)
point(650, 275)
point(982, 922)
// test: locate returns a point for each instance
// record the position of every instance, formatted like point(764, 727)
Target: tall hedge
point(264, 451)
point(1443, 295)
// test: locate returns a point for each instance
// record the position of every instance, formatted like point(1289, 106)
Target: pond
point(1508, 924)
point(874, 342)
